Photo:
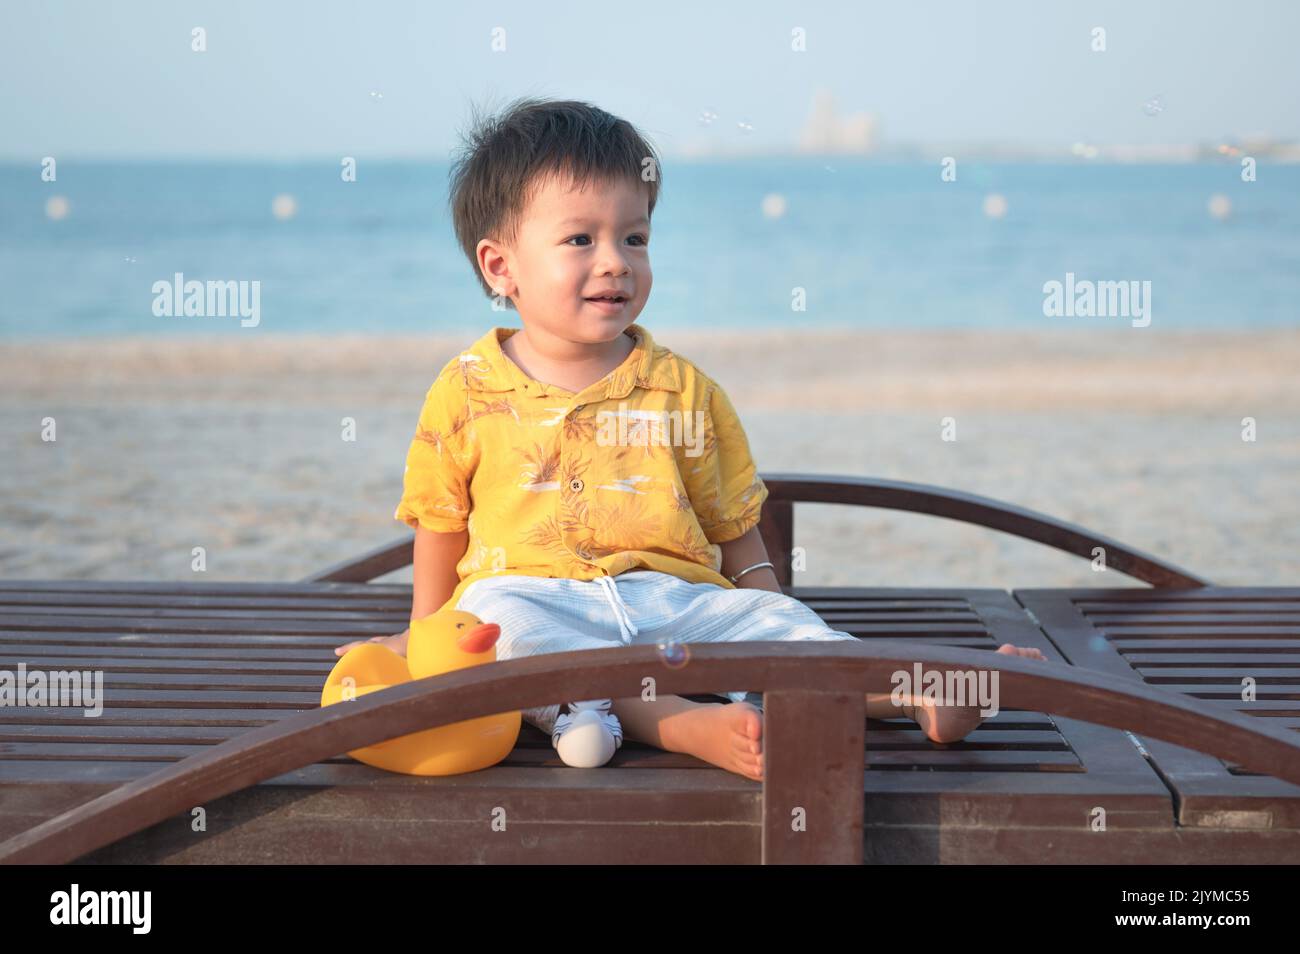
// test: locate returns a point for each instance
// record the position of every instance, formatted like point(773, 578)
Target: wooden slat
point(215, 624)
point(1006, 761)
point(172, 664)
point(116, 679)
point(1214, 659)
point(154, 715)
point(1207, 645)
point(362, 591)
point(1138, 603)
point(256, 698)
point(1229, 693)
point(107, 599)
point(1120, 622)
point(202, 641)
point(111, 615)
point(1277, 674)
point(198, 656)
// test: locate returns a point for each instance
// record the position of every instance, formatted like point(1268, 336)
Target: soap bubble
point(1097, 644)
point(1220, 206)
point(745, 126)
point(375, 96)
point(773, 205)
point(57, 208)
point(1154, 106)
point(673, 654)
point(284, 207)
point(995, 205)
point(707, 116)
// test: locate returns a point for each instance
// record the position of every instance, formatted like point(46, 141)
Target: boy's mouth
point(609, 305)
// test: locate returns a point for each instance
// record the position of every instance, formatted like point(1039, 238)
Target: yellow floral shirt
point(649, 467)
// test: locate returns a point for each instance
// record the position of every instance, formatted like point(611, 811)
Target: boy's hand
point(396, 642)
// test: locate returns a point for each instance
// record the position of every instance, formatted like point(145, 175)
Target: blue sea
point(874, 245)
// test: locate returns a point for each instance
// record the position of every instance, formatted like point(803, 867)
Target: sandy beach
point(234, 444)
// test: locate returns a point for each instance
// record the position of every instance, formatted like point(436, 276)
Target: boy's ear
point(495, 267)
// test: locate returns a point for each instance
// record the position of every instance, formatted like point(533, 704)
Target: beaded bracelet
point(748, 568)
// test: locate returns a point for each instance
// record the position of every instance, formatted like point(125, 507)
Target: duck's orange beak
point(479, 639)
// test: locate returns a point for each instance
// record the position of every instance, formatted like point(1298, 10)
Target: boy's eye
point(643, 238)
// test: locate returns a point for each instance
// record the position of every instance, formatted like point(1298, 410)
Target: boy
point(577, 483)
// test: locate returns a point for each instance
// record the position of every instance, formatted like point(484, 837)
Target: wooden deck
point(187, 667)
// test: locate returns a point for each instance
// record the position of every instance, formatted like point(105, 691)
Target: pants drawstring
point(627, 629)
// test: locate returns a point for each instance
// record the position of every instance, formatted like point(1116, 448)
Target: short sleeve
point(722, 481)
point(435, 492)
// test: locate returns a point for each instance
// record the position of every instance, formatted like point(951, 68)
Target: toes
point(1026, 651)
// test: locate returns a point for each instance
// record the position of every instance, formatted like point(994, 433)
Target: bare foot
point(728, 735)
point(396, 642)
point(948, 723)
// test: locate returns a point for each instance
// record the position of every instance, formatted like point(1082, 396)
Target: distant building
point(826, 133)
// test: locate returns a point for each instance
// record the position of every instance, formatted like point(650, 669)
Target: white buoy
point(284, 207)
point(773, 205)
point(995, 205)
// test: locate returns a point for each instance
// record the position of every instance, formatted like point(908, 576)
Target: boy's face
point(572, 245)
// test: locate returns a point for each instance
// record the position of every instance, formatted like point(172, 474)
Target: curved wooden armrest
point(815, 709)
point(982, 511)
point(370, 565)
point(778, 527)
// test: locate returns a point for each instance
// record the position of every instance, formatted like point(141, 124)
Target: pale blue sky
point(294, 79)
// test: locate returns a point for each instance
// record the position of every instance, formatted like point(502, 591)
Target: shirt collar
point(485, 367)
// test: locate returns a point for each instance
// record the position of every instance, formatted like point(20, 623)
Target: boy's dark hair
point(503, 158)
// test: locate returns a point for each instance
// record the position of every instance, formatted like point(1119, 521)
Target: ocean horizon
point(736, 244)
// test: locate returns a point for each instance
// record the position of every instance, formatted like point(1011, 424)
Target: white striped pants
point(637, 608)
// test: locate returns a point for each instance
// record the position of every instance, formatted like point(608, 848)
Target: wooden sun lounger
point(213, 689)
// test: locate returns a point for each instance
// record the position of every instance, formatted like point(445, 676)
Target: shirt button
point(576, 485)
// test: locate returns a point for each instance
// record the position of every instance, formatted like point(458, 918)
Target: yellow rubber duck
point(441, 642)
